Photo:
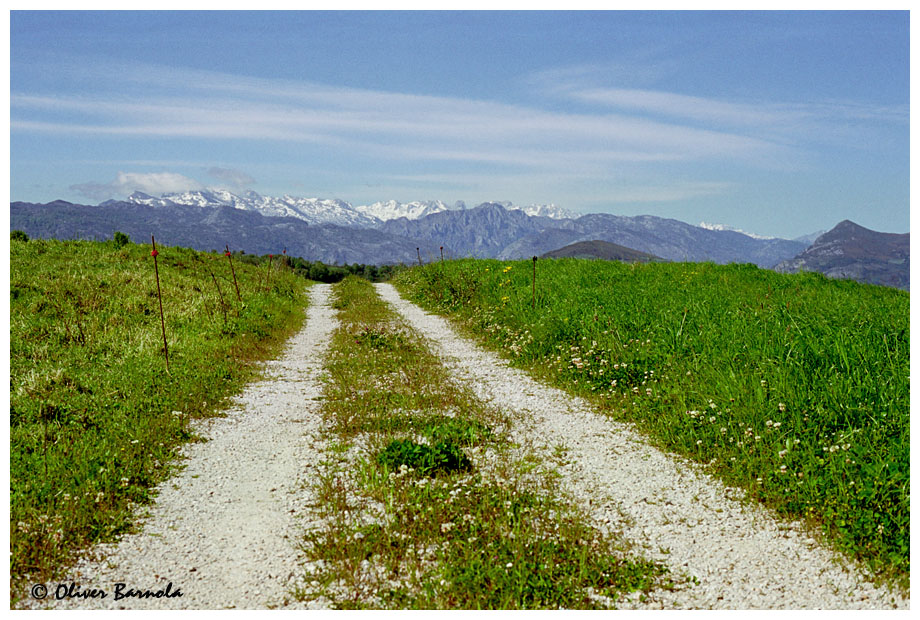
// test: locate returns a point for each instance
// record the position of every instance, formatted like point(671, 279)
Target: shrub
point(444, 456)
point(121, 239)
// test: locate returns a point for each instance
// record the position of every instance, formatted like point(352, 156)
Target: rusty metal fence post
point(533, 301)
point(237, 286)
point(156, 270)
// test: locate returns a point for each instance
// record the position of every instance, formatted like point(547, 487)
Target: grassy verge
point(795, 388)
point(426, 503)
point(94, 417)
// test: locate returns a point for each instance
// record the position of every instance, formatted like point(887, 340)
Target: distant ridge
point(850, 251)
point(332, 231)
point(603, 250)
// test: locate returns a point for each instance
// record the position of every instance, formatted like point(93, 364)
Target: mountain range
point(335, 232)
point(320, 210)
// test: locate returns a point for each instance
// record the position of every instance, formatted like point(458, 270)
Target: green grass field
point(95, 419)
point(793, 387)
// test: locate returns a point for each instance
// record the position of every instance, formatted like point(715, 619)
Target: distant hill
point(603, 250)
point(852, 252)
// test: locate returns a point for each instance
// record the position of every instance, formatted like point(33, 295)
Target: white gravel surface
point(743, 557)
point(225, 531)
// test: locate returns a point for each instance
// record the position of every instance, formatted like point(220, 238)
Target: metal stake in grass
point(417, 251)
point(156, 270)
point(533, 301)
point(442, 253)
point(223, 306)
point(269, 271)
point(237, 286)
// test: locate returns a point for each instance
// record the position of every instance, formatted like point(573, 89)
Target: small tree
point(121, 239)
point(18, 235)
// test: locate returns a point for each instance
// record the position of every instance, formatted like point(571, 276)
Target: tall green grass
point(794, 387)
point(94, 417)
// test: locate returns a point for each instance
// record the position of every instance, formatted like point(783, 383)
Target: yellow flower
point(507, 269)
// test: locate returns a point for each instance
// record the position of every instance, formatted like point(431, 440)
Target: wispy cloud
point(377, 124)
point(734, 113)
point(628, 145)
point(797, 125)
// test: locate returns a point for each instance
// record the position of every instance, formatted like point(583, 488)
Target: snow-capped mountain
point(311, 210)
point(708, 226)
point(327, 211)
point(550, 210)
point(393, 209)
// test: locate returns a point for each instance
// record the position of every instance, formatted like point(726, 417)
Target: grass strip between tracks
point(426, 503)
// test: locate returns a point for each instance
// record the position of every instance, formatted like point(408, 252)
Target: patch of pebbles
point(226, 531)
point(741, 555)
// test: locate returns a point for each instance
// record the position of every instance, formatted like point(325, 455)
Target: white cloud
point(154, 183)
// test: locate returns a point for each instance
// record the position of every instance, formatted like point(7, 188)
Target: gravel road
point(224, 531)
point(742, 556)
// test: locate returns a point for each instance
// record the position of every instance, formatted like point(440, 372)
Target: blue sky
point(779, 123)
